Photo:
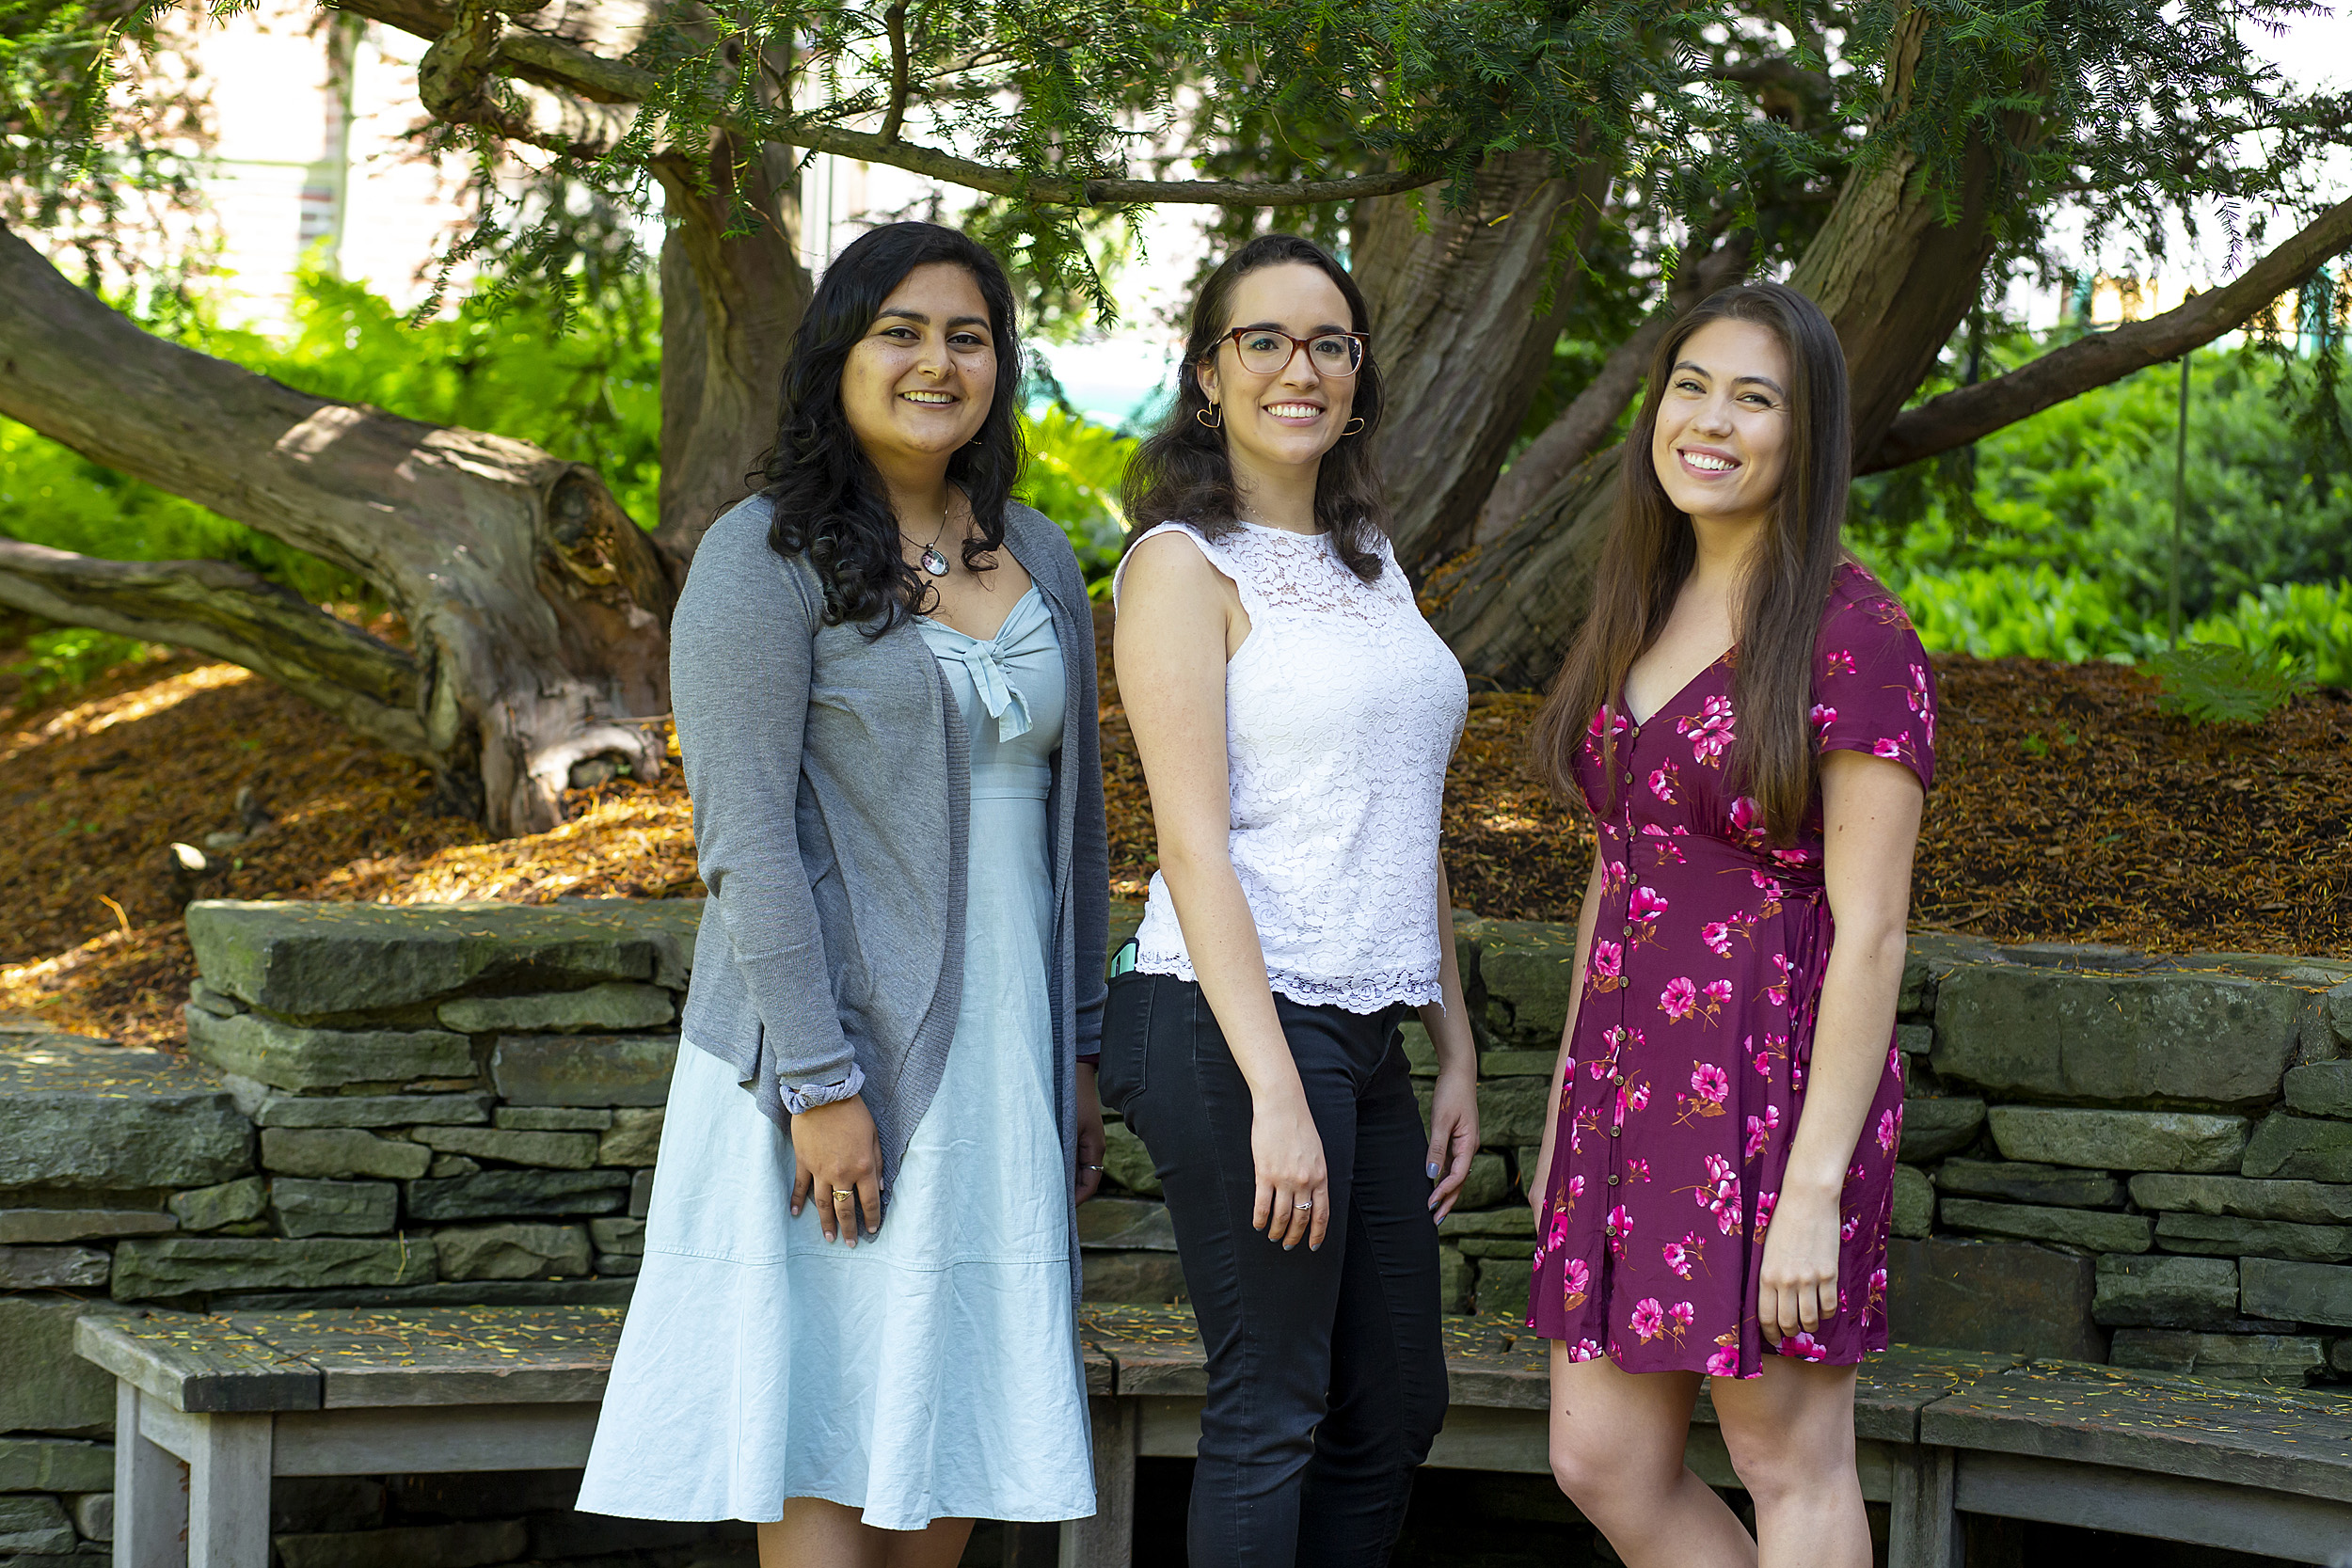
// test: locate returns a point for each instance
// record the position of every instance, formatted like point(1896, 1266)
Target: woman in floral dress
point(1751, 721)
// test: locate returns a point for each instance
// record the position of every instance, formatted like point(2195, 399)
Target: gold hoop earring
point(1351, 427)
point(1211, 416)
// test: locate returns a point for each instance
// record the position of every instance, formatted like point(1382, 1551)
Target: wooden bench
point(210, 1408)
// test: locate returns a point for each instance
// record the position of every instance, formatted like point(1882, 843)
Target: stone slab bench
point(210, 1408)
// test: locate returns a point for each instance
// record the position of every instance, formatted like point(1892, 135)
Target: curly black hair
point(829, 502)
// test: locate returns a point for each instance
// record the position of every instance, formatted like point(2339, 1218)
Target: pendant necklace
point(934, 562)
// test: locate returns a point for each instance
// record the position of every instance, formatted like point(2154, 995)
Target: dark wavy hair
point(1777, 616)
point(1182, 471)
point(829, 502)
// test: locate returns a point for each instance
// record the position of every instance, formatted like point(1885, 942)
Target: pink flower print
point(1616, 1038)
point(1711, 1085)
point(1765, 1204)
point(1606, 724)
point(1648, 1320)
point(1760, 1130)
point(1891, 749)
point(1637, 1170)
point(1639, 1097)
point(1718, 996)
point(1584, 1349)
point(1724, 1362)
point(1777, 993)
point(1607, 966)
point(1617, 877)
point(1823, 717)
point(1846, 1231)
point(1666, 781)
point(1747, 820)
point(1576, 1282)
point(1840, 658)
point(1890, 1129)
point(1646, 906)
point(1717, 935)
point(1804, 1347)
point(1678, 1257)
point(1619, 1231)
point(1684, 1314)
point(1559, 1232)
point(1709, 731)
point(1720, 1195)
point(1576, 1189)
point(1679, 999)
point(1878, 1286)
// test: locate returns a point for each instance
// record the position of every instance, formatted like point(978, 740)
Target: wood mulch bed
point(2068, 808)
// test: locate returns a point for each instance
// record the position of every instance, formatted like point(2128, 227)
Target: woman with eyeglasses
point(1294, 716)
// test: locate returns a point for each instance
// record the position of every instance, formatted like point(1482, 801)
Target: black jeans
point(1326, 1372)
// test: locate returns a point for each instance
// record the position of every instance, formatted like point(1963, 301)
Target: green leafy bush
point(2086, 489)
point(1073, 477)
point(2218, 683)
point(70, 657)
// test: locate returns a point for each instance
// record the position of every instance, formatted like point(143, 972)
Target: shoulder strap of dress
point(1215, 554)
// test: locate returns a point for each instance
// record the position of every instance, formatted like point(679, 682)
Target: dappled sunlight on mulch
point(2067, 808)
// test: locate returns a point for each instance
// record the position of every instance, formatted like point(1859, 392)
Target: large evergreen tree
point(1509, 179)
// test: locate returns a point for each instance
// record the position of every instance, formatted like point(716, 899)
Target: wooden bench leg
point(1923, 1525)
point(150, 1493)
point(229, 1471)
point(1108, 1539)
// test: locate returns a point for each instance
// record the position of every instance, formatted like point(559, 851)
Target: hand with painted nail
point(1294, 1202)
point(1453, 1134)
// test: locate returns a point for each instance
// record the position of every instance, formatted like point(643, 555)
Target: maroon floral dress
point(1688, 1064)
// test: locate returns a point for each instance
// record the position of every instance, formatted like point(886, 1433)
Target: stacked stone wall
point(2104, 1156)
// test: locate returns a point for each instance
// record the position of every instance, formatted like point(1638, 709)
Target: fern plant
point(2216, 682)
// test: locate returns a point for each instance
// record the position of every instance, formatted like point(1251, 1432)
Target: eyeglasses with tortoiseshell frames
point(1264, 350)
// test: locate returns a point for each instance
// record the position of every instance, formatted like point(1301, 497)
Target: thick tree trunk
point(538, 611)
point(1581, 426)
point(730, 304)
point(1895, 280)
point(1453, 298)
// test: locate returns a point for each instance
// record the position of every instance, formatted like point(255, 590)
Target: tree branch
point(558, 63)
point(1571, 438)
point(1971, 413)
point(894, 20)
point(232, 613)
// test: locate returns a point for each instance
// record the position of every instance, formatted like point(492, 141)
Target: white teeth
point(927, 397)
point(1293, 410)
point(1707, 464)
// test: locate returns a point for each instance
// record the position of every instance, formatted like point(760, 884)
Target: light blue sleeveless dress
point(931, 1371)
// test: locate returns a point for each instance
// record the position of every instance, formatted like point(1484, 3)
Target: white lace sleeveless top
point(1342, 710)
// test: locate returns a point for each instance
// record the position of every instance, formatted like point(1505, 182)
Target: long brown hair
point(1777, 615)
point(1182, 471)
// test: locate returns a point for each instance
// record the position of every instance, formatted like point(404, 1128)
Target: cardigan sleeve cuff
point(808, 1096)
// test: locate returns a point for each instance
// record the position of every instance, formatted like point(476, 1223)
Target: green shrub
point(71, 657)
point(2220, 682)
point(1073, 477)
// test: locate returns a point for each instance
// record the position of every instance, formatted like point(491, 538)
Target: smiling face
point(1724, 424)
point(1286, 418)
point(920, 382)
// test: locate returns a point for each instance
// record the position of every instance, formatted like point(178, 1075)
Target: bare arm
point(1454, 1111)
point(1870, 813)
point(1585, 918)
point(1178, 619)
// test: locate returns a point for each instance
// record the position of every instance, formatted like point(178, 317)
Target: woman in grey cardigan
point(856, 1321)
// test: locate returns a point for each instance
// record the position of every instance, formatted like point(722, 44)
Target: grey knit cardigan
point(832, 785)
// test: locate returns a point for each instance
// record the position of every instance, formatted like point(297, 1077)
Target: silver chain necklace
point(934, 562)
